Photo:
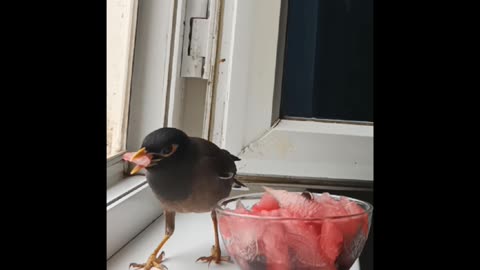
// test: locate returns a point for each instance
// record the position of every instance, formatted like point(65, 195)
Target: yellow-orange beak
point(136, 169)
point(139, 154)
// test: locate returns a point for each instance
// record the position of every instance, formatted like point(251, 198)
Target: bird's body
point(195, 180)
point(187, 175)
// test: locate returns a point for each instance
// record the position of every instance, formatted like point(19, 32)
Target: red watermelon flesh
point(325, 198)
point(314, 243)
point(142, 161)
point(296, 203)
point(352, 208)
point(304, 242)
point(286, 244)
point(267, 202)
point(331, 241)
point(275, 246)
point(274, 213)
point(232, 223)
point(241, 234)
point(330, 206)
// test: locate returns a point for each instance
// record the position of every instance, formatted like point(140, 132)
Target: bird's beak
point(136, 169)
point(141, 158)
point(142, 153)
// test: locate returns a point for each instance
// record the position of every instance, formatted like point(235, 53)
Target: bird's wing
point(228, 169)
point(218, 161)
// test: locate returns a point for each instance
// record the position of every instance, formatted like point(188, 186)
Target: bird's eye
point(166, 150)
point(169, 150)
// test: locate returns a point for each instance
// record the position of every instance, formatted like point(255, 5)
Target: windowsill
point(123, 186)
point(131, 207)
point(193, 238)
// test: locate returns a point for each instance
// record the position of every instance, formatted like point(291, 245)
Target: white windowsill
point(123, 186)
point(131, 207)
point(193, 238)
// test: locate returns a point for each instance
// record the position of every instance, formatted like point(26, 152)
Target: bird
point(187, 175)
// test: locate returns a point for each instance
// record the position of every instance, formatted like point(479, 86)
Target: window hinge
point(199, 38)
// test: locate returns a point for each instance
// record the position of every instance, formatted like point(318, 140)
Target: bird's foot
point(215, 257)
point(151, 262)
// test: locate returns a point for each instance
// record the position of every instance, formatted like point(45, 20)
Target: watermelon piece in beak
point(141, 159)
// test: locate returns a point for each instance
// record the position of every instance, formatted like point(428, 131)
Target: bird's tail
point(233, 157)
point(238, 184)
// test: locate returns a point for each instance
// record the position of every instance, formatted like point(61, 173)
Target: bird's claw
point(215, 257)
point(151, 263)
point(209, 259)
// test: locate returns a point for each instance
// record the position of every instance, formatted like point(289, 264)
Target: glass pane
point(328, 71)
point(121, 19)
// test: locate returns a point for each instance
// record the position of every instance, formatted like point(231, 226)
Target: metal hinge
point(199, 37)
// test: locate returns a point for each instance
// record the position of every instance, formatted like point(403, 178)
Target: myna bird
point(187, 175)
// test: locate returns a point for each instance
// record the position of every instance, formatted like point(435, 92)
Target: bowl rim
point(220, 210)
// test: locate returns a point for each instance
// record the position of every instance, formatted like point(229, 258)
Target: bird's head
point(160, 144)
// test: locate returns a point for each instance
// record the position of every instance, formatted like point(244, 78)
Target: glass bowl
point(281, 243)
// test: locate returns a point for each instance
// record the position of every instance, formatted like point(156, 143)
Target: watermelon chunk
point(267, 202)
point(241, 234)
point(141, 161)
point(224, 221)
point(352, 208)
point(324, 242)
point(275, 247)
point(274, 213)
point(304, 242)
point(331, 241)
point(298, 205)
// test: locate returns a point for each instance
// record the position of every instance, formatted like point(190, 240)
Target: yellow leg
point(153, 260)
point(216, 253)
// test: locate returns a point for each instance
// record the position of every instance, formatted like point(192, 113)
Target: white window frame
point(247, 97)
point(131, 205)
point(157, 98)
point(121, 81)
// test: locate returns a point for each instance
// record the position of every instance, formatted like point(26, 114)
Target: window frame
point(127, 83)
point(247, 104)
point(158, 98)
point(131, 205)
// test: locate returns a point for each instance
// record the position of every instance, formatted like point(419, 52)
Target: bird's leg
point(153, 260)
point(216, 252)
